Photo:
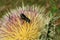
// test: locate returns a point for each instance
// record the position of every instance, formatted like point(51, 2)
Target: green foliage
point(53, 7)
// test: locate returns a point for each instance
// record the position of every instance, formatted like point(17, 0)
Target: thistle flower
point(14, 26)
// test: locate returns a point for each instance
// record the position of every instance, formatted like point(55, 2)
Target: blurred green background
point(52, 5)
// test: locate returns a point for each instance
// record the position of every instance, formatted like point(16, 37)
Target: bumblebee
point(25, 18)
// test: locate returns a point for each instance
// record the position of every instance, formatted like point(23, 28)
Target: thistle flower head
point(15, 27)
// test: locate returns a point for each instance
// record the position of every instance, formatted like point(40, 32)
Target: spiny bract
point(12, 27)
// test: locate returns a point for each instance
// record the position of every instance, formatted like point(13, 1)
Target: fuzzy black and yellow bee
point(25, 18)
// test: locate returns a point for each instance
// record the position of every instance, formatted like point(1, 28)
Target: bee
point(25, 18)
